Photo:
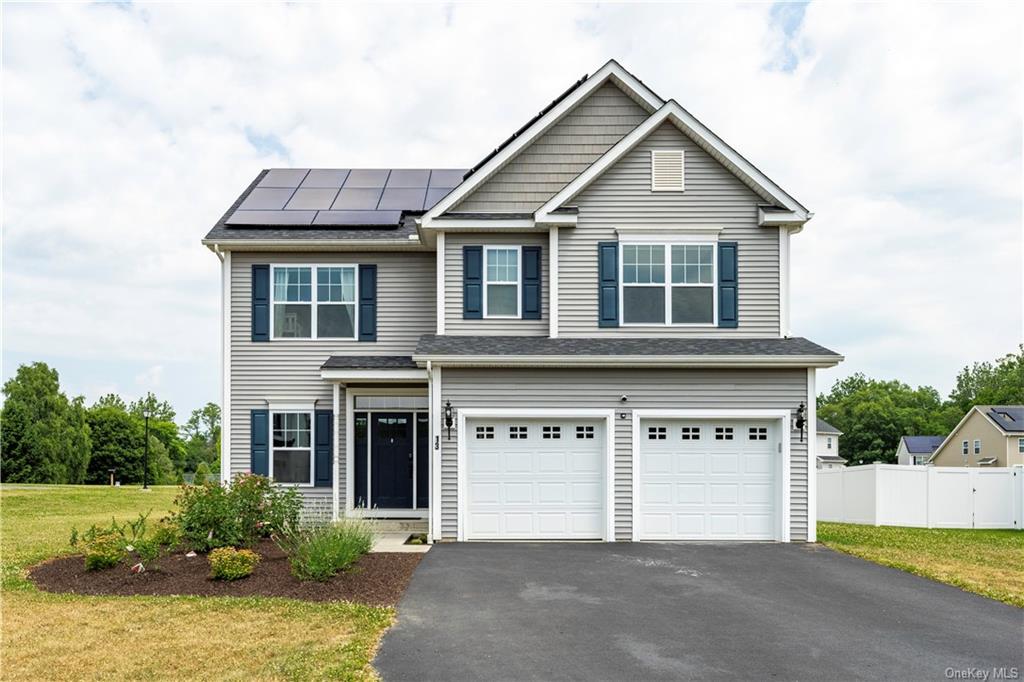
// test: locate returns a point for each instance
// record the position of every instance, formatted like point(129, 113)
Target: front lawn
point(987, 562)
point(54, 636)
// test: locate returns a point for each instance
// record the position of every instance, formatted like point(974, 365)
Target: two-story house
point(583, 336)
point(987, 436)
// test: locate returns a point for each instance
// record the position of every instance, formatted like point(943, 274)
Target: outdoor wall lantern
point(449, 413)
point(800, 421)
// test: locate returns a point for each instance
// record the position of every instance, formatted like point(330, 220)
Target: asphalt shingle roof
point(369, 362)
point(922, 445)
point(431, 344)
point(824, 427)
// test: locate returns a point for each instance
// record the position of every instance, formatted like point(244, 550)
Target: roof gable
point(558, 155)
point(611, 72)
point(671, 112)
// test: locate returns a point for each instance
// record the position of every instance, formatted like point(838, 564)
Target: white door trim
point(782, 531)
point(538, 413)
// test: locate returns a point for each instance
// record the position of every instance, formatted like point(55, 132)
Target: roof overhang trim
point(661, 361)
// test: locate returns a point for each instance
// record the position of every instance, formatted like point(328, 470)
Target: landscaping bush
point(104, 549)
point(321, 552)
point(212, 516)
point(166, 534)
point(228, 563)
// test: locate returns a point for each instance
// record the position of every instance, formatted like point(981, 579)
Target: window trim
point(518, 283)
point(668, 285)
point(977, 446)
point(965, 448)
point(312, 445)
point(314, 304)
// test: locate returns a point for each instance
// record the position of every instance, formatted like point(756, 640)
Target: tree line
point(874, 413)
point(47, 437)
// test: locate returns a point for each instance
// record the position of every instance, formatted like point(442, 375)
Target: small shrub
point(206, 518)
point(263, 508)
point(228, 563)
point(105, 549)
point(321, 552)
point(166, 534)
point(202, 474)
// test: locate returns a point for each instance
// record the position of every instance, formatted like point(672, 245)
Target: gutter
point(660, 361)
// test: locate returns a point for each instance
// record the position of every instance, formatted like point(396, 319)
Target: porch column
point(335, 470)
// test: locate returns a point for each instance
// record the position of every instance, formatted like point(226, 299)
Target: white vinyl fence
point(924, 497)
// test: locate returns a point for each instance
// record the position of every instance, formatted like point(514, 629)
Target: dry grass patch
point(48, 637)
point(986, 562)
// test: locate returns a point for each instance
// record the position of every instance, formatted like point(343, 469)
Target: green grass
point(986, 562)
point(156, 638)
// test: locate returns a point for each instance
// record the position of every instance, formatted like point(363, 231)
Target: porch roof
point(369, 362)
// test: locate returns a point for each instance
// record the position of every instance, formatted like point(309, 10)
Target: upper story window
point(665, 284)
point(1020, 445)
point(302, 311)
point(977, 446)
point(501, 281)
point(828, 442)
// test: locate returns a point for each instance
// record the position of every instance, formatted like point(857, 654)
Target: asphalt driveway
point(662, 611)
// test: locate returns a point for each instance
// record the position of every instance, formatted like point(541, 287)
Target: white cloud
point(126, 135)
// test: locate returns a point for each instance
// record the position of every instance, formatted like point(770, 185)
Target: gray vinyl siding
point(559, 155)
point(453, 322)
point(714, 197)
point(289, 370)
point(646, 389)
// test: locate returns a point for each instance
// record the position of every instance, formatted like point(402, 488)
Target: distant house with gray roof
point(917, 450)
point(828, 446)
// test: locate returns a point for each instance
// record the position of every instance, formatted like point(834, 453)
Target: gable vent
point(666, 170)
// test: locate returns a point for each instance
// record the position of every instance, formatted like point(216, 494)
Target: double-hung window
point(501, 281)
point(292, 458)
point(303, 311)
point(668, 284)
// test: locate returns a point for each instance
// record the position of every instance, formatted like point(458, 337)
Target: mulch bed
point(375, 579)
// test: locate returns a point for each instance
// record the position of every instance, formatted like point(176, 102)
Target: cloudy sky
point(128, 130)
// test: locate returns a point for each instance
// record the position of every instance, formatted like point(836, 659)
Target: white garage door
point(532, 479)
point(707, 480)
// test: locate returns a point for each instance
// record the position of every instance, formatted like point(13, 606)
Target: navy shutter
point(259, 442)
point(324, 435)
point(367, 302)
point(608, 284)
point(531, 283)
point(260, 302)
point(472, 282)
point(728, 285)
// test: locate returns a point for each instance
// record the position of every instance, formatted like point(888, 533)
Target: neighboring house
point(584, 336)
point(828, 446)
point(917, 450)
point(988, 435)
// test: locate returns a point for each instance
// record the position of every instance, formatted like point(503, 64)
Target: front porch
point(382, 453)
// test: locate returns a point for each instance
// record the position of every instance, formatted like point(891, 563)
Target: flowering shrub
point(212, 516)
point(228, 563)
point(104, 549)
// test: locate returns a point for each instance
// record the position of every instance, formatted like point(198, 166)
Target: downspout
point(431, 498)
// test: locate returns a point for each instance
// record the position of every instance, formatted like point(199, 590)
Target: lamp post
point(145, 453)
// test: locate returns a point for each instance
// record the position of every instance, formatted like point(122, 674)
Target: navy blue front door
point(391, 438)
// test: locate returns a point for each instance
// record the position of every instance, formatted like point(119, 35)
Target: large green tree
point(874, 414)
point(202, 437)
point(986, 383)
point(44, 436)
point(119, 443)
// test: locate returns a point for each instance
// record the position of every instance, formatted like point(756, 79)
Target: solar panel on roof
point(368, 196)
point(312, 198)
point(435, 195)
point(263, 198)
point(366, 177)
point(445, 177)
point(402, 178)
point(271, 218)
point(402, 198)
point(357, 199)
point(377, 218)
point(326, 177)
point(283, 177)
